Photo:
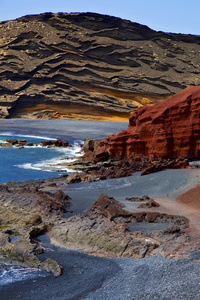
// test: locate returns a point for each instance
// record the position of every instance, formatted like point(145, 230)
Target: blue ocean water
point(40, 163)
point(33, 162)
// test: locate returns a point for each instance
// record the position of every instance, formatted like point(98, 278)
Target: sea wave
point(10, 274)
point(12, 134)
point(56, 164)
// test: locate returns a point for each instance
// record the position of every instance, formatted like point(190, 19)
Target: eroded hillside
point(90, 66)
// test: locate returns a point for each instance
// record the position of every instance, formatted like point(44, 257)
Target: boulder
point(94, 150)
point(149, 204)
point(12, 141)
point(109, 207)
point(46, 143)
point(138, 199)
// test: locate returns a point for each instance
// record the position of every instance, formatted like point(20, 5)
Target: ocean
point(36, 162)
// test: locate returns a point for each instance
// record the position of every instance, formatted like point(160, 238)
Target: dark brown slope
point(87, 65)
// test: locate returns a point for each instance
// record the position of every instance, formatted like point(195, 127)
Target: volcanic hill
point(90, 66)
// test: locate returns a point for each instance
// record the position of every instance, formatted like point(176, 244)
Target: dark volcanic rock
point(104, 229)
point(86, 64)
point(149, 204)
point(25, 213)
point(56, 143)
point(43, 202)
point(122, 168)
point(12, 141)
point(57, 203)
point(16, 143)
point(138, 199)
point(109, 207)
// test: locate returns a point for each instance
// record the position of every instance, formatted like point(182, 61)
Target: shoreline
point(96, 278)
point(93, 277)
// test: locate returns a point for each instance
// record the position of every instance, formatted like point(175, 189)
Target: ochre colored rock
point(169, 129)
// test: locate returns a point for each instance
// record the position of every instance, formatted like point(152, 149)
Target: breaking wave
point(57, 163)
point(10, 274)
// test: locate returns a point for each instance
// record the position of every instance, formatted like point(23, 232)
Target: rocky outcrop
point(87, 65)
point(23, 143)
point(55, 143)
point(17, 143)
point(25, 213)
point(169, 129)
point(105, 230)
point(116, 169)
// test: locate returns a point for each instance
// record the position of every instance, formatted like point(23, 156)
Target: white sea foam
point(10, 273)
point(3, 142)
point(56, 164)
point(27, 136)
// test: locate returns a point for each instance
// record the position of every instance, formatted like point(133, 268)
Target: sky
point(177, 16)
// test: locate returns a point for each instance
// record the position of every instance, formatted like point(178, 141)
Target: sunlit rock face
point(168, 129)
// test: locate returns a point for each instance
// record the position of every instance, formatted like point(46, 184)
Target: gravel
point(96, 278)
point(152, 278)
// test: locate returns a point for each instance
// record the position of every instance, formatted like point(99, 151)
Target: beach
point(92, 277)
point(89, 277)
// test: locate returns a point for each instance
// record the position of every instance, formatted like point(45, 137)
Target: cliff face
point(169, 129)
point(68, 65)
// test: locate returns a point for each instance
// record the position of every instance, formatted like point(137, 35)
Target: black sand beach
point(89, 277)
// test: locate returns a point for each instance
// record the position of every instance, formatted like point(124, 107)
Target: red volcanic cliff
point(169, 129)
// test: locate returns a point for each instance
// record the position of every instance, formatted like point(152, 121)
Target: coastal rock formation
point(92, 171)
point(105, 230)
point(169, 129)
point(89, 66)
point(55, 143)
point(24, 213)
point(23, 143)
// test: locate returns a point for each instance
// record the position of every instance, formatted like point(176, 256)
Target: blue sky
point(178, 16)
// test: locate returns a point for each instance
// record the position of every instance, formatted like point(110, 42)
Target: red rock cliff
point(168, 129)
